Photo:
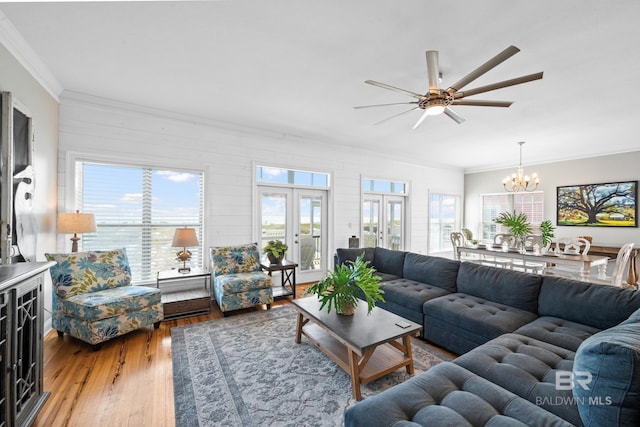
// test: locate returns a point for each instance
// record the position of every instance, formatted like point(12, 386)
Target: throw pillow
point(606, 377)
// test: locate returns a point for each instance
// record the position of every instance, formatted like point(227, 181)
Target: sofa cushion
point(477, 319)
point(435, 271)
point(81, 272)
point(608, 364)
point(557, 331)
point(389, 261)
point(107, 303)
point(447, 395)
point(241, 282)
point(350, 254)
point(385, 277)
point(512, 288)
point(528, 368)
point(235, 259)
point(410, 293)
point(600, 306)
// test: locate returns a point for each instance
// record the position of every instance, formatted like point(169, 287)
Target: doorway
point(297, 217)
point(383, 221)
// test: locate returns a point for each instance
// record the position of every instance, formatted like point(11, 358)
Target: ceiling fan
point(437, 101)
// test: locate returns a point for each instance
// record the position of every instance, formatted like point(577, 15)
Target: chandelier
point(519, 181)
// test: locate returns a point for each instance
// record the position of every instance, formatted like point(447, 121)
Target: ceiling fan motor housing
point(433, 99)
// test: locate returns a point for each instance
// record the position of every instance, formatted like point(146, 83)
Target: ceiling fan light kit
point(437, 101)
point(519, 181)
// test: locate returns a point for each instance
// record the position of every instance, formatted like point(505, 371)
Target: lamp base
point(184, 255)
point(74, 244)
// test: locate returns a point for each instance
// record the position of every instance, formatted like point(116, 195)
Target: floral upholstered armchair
point(238, 280)
point(93, 299)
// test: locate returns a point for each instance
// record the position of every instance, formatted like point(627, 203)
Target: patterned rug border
point(188, 405)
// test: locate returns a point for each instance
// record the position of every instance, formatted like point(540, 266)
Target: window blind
point(139, 209)
point(531, 204)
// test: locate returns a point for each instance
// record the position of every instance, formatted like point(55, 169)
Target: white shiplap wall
point(97, 128)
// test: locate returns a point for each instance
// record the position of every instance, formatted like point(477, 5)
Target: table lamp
point(76, 223)
point(184, 237)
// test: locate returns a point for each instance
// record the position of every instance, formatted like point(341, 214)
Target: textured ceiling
point(298, 67)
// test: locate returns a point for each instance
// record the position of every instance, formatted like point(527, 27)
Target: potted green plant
point(275, 250)
point(546, 229)
point(341, 288)
point(516, 223)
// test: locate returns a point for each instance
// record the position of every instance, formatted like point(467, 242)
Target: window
point(380, 186)
point(291, 177)
point(444, 217)
point(139, 209)
point(531, 204)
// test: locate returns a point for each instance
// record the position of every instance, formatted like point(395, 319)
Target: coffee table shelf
point(384, 360)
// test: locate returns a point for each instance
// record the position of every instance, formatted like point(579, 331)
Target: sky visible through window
point(119, 197)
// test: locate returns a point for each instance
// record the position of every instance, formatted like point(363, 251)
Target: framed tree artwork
point(612, 204)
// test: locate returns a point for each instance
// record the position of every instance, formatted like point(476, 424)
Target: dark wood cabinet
point(21, 334)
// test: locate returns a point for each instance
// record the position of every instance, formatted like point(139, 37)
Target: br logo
point(567, 380)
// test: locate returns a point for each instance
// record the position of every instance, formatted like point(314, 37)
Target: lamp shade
point(72, 223)
point(185, 237)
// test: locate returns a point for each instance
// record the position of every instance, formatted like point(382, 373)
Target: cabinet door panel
point(26, 382)
point(4, 359)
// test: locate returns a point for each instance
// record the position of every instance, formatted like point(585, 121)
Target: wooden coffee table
point(367, 347)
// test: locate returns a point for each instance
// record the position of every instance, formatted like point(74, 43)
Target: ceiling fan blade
point(479, 103)
point(499, 85)
point(421, 119)
point(396, 89)
point(433, 69)
point(455, 116)
point(384, 105)
point(394, 116)
point(493, 62)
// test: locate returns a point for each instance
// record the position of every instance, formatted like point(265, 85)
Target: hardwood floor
point(128, 382)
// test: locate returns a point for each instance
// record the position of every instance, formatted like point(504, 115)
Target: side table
point(188, 301)
point(287, 271)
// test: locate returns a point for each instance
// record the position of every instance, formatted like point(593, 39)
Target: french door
point(297, 217)
point(383, 221)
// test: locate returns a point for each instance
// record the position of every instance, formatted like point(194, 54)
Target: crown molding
point(13, 41)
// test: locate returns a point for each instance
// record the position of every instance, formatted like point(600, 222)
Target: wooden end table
point(366, 347)
point(185, 301)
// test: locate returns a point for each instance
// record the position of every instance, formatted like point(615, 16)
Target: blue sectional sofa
point(534, 350)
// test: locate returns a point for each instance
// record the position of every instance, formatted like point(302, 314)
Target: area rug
point(247, 370)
